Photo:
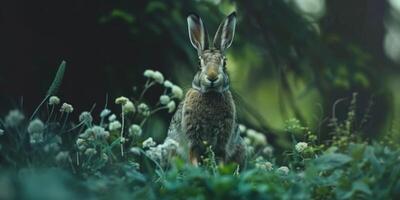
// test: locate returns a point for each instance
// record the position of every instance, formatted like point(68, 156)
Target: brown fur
point(207, 116)
point(208, 119)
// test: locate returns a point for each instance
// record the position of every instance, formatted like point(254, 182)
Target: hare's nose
point(212, 78)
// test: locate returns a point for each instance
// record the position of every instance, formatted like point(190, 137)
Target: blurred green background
point(289, 59)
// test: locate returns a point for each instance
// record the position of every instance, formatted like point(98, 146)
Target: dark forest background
point(292, 58)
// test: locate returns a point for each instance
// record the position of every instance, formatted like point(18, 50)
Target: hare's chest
point(208, 118)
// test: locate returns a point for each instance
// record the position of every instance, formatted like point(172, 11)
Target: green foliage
point(106, 157)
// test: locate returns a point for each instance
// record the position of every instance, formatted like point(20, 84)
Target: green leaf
point(57, 79)
point(331, 161)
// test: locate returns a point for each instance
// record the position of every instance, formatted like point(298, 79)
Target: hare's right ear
point(197, 33)
point(225, 33)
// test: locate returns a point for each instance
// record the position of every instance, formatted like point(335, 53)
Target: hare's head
point(212, 75)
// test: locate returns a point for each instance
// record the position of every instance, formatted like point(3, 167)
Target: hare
point(207, 115)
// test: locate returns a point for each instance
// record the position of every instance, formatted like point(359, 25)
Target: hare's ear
point(225, 33)
point(197, 33)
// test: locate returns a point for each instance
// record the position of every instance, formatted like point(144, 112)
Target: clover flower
point(171, 106)
point(128, 107)
point(121, 100)
point(301, 146)
point(35, 126)
point(62, 156)
point(268, 151)
point(144, 109)
point(112, 118)
point(51, 147)
point(95, 132)
point(149, 142)
point(36, 138)
point(86, 117)
point(90, 152)
point(177, 92)
point(104, 157)
point(256, 137)
point(81, 144)
point(105, 112)
point(158, 77)
point(123, 140)
point(135, 150)
point(264, 165)
point(14, 118)
point(54, 100)
point(148, 73)
point(67, 108)
point(164, 99)
point(249, 150)
point(283, 170)
point(114, 125)
point(135, 130)
point(135, 165)
point(168, 84)
point(162, 152)
point(242, 128)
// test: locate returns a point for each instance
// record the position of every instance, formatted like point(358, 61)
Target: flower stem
point(122, 133)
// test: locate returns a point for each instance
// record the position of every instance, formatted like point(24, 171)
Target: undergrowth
point(105, 156)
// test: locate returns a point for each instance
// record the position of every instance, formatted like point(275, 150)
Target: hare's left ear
point(225, 33)
point(197, 33)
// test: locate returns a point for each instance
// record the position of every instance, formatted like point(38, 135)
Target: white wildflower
point(170, 144)
point(135, 165)
point(128, 107)
point(67, 108)
point(14, 118)
point(268, 165)
point(104, 157)
point(249, 150)
point(168, 84)
point(1, 132)
point(171, 106)
point(86, 117)
point(283, 170)
point(36, 126)
point(81, 144)
point(264, 165)
point(268, 151)
point(148, 143)
point(144, 109)
point(36, 138)
point(114, 125)
point(54, 100)
point(123, 140)
point(148, 73)
point(121, 100)
point(301, 146)
point(100, 132)
point(54, 145)
point(62, 156)
point(105, 112)
point(135, 150)
point(256, 137)
point(112, 118)
point(135, 130)
point(90, 152)
point(177, 92)
point(242, 128)
point(158, 77)
point(164, 99)
point(247, 141)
